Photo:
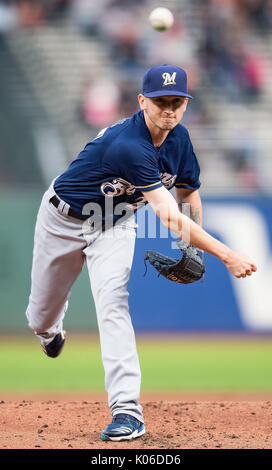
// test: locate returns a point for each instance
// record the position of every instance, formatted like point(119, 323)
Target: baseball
point(161, 19)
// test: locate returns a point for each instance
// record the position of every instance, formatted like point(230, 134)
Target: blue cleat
point(123, 428)
point(54, 348)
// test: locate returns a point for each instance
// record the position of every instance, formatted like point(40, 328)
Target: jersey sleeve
point(138, 164)
point(189, 172)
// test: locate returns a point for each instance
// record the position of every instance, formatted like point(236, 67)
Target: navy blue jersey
point(122, 163)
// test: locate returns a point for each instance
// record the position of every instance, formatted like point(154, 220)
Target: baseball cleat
point(123, 428)
point(54, 348)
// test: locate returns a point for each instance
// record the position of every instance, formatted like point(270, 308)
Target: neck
point(158, 135)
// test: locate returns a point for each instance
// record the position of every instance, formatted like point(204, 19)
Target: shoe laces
point(122, 418)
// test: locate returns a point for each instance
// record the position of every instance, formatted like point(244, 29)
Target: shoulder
point(134, 140)
point(135, 130)
point(106, 137)
point(133, 151)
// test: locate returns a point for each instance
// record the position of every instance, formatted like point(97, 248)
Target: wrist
point(224, 254)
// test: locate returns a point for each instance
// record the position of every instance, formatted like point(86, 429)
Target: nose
point(168, 108)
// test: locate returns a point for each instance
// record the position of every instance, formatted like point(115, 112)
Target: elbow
point(166, 220)
point(173, 223)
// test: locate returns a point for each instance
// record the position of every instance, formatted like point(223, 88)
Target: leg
point(109, 262)
point(57, 261)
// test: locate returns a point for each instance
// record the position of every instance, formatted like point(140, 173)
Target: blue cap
point(165, 80)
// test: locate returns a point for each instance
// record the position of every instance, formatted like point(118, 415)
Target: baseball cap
point(163, 80)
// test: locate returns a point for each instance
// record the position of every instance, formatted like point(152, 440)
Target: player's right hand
point(239, 265)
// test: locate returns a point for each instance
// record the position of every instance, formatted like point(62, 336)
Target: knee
point(36, 322)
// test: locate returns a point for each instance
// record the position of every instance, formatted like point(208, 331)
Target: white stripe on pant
point(61, 246)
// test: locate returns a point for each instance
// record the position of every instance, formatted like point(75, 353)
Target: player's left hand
point(188, 269)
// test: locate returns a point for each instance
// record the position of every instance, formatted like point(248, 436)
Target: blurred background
point(71, 67)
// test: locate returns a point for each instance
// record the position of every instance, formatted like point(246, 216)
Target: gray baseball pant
point(61, 246)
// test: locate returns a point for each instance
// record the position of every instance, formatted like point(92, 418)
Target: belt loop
point(63, 207)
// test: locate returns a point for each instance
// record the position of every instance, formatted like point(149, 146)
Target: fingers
point(247, 272)
point(240, 265)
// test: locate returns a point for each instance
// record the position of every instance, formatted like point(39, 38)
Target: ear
point(142, 101)
point(185, 103)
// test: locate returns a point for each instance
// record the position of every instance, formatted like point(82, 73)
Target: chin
point(168, 127)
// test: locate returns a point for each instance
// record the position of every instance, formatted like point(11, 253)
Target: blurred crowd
point(218, 42)
point(230, 53)
point(29, 13)
point(226, 54)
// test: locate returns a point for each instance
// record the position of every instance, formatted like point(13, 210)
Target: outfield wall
point(219, 303)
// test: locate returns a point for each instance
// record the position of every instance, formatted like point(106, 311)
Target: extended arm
point(192, 198)
point(165, 206)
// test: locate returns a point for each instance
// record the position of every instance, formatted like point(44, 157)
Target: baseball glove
point(189, 268)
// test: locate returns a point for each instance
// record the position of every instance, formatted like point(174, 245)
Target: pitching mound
point(51, 424)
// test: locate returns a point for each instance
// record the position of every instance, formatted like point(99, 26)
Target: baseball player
point(88, 215)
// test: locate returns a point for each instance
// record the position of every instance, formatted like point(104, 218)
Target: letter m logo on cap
point(169, 79)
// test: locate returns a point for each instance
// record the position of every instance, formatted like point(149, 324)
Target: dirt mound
point(51, 424)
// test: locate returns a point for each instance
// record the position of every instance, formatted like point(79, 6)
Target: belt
point(56, 201)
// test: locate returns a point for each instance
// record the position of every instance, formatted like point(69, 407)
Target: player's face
point(165, 112)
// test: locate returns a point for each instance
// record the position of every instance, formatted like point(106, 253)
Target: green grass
point(208, 365)
point(168, 364)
